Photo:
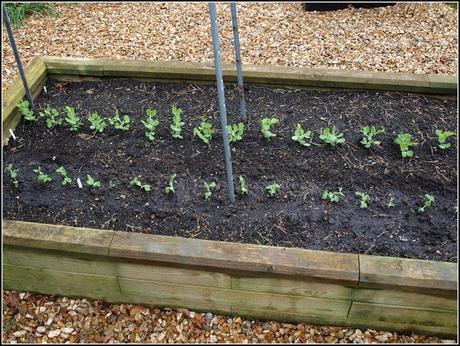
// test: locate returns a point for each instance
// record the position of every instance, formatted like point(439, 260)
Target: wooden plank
point(321, 265)
point(154, 272)
point(59, 260)
point(202, 298)
point(292, 287)
point(35, 73)
point(402, 298)
point(57, 237)
point(75, 66)
point(432, 277)
point(399, 314)
point(444, 84)
point(64, 283)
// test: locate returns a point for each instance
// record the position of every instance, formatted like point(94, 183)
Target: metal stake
point(6, 20)
point(239, 70)
point(220, 92)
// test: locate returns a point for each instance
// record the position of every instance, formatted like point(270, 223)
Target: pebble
point(67, 330)
point(209, 316)
point(54, 333)
point(19, 333)
point(41, 329)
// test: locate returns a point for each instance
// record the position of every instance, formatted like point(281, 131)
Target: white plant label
point(12, 134)
point(79, 183)
point(44, 88)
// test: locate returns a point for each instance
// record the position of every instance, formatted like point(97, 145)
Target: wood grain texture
point(404, 274)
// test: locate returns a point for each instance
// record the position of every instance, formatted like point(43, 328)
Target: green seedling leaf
point(151, 123)
point(120, 123)
point(272, 189)
point(404, 140)
point(177, 123)
point(170, 187)
point(98, 123)
point(52, 117)
point(13, 175)
point(91, 182)
point(26, 112)
point(368, 136)
point(300, 135)
point(331, 136)
point(442, 138)
point(62, 172)
point(42, 178)
point(209, 187)
point(235, 132)
point(136, 182)
point(364, 199)
point(427, 202)
point(204, 131)
point(332, 196)
point(391, 203)
point(243, 186)
point(266, 125)
point(72, 119)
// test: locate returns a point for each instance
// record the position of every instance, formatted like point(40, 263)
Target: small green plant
point(52, 117)
point(62, 172)
point(243, 186)
point(151, 123)
point(17, 12)
point(136, 182)
point(364, 199)
point(266, 124)
point(204, 131)
point(13, 175)
point(26, 112)
point(235, 132)
point(332, 196)
point(442, 138)
point(177, 123)
point(120, 123)
point(305, 195)
point(111, 184)
point(272, 189)
point(91, 182)
point(170, 187)
point(369, 132)
point(209, 187)
point(72, 119)
point(428, 201)
point(42, 178)
point(98, 123)
point(391, 203)
point(300, 135)
point(331, 136)
point(404, 140)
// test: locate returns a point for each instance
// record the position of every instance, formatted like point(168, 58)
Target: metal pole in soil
point(239, 70)
point(6, 20)
point(220, 92)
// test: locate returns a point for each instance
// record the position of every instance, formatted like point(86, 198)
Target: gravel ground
point(36, 318)
point(415, 38)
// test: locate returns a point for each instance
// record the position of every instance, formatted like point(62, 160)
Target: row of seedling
point(205, 131)
point(271, 189)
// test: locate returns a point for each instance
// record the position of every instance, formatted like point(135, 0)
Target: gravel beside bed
point(413, 38)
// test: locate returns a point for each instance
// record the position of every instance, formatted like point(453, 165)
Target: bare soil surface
point(289, 218)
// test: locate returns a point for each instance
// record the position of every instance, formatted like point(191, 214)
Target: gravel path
point(415, 38)
point(37, 318)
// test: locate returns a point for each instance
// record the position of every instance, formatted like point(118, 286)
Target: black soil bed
point(288, 219)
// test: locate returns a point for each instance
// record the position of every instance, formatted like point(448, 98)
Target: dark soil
point(284, 220)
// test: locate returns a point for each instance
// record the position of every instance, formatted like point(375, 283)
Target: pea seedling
point(72, 119)
point(26, 112)
point(91, 182)
point(332, 196)
point(111, 184)
point(235, 132)
point(300, 135)
point(61, 171)
point(404, 140)
point(272, 189)
point(177, 123)
point(209, 187)
point(243, 186)
point(151, 123)
point(13, 174)
point(136, 182)
point(364, 199)
point(427, 202)
point(391, 203)
point(330, 136)
point(98, 123)
point(442, 138)
point(266, 123)
point(204, 131)
point(170, 188)
point(42, 178)
point(368, 136)
point(120, 123)
point(52, 117)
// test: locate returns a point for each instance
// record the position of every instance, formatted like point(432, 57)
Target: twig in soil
point(369, 249)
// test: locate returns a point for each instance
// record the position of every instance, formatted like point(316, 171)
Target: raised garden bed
point(411, 294)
